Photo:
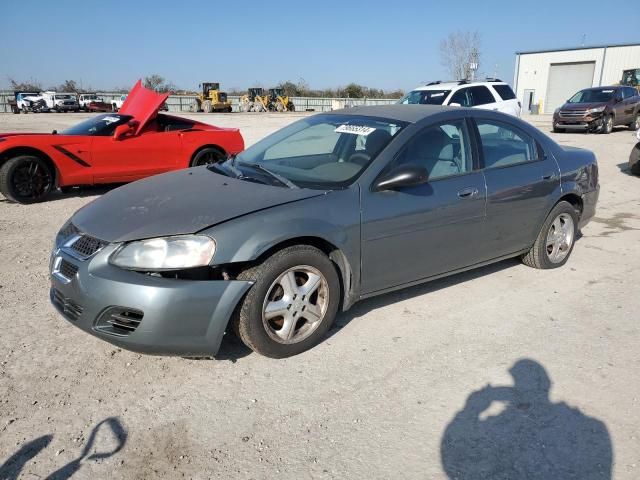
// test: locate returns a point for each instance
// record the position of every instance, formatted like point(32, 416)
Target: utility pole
point(473, 63)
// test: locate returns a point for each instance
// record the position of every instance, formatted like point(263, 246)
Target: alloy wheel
point(207, 157)
point(295, 304)
point(560, 238)
point(31, 180)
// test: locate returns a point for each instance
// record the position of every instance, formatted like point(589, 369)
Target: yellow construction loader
point(279, 102)
point(631, 78)
point(254, 101)
point(211, 99)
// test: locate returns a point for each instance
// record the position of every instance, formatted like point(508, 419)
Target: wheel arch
point(17, 151)
point(339, 259)
point(575, 200)
point(202, 147)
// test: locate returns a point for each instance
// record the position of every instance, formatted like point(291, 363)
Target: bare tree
point(460, 54)
point(25, 86)
point(158, 83)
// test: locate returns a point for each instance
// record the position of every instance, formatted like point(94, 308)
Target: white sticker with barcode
point(355, 130)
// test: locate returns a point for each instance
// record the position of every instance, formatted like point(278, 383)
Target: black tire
point(539, 256)
point(634, 160)
point(26, 179)
point(207, 156)
point(248, 319)
point(635, 124)
point(607, 125)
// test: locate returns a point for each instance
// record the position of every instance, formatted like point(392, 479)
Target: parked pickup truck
point(599, 109)
point(90, 102)
point(116, 103)
point(61, 102)
point(29, 102)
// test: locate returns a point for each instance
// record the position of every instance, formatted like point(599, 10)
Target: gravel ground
point(381, 397)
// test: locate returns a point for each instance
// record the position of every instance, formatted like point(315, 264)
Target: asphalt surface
point(398, 389)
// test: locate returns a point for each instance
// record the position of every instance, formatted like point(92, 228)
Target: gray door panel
point(421, 231)
point(517, 202)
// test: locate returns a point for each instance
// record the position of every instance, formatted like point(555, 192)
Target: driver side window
point(442, 149)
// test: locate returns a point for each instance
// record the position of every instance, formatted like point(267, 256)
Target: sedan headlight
point(165, 253)
point(596, 110)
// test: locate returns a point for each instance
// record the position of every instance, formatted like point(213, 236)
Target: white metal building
point(550, 77)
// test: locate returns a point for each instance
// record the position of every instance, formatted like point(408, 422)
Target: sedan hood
point(177, 203)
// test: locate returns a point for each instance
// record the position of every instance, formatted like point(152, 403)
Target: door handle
point(548, 176)
point(468, 192)
point(82, 151)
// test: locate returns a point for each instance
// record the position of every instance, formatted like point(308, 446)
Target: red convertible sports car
point(118, 147)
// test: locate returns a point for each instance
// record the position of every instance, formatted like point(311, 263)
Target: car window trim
point(473, 151)
point(484, 168)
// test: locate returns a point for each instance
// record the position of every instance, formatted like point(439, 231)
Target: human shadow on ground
point(16, 462)
point(12, 468)
point(531, 438)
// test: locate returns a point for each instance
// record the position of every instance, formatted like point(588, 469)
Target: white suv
point(490, 94)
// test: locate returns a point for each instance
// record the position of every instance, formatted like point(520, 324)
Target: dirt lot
point(374, 400)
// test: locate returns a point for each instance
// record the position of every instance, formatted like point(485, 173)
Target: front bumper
point(179, 317)
point(589, 201)
point(586, 123)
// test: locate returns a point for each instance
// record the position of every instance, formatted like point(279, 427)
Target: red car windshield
point(101, 125)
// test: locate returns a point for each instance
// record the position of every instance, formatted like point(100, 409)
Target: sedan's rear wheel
point(25, 179)
point(635, 125)
point(554, 243)
point(292, 303)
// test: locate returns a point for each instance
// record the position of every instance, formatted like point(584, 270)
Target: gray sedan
point(332, 209)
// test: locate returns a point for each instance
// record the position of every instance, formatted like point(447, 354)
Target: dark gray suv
point(330, 210)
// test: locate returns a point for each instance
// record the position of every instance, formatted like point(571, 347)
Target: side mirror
point(125, 130)
point(402, 176)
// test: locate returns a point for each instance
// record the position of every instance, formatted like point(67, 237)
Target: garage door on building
point(565, 79)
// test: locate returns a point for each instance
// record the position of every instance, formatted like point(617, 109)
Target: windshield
point(101, 125)
point(90, 97)
point(63, 97)
point(425, 97)
point(593, 96)
point(321, 152)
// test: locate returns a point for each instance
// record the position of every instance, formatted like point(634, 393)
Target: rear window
point(504, 91)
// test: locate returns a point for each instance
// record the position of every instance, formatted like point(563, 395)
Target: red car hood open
point(142, 104)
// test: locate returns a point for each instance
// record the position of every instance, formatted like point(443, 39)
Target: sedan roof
point(403, 113)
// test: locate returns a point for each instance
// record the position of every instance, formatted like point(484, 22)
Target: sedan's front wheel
point(555, 240)
point(292, 303)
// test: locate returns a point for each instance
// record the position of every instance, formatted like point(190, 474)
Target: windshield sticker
point(355, 130)
point(607, 91)
point(109, 120)
point(440, 94)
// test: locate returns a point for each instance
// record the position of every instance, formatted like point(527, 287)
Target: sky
point(381, 44)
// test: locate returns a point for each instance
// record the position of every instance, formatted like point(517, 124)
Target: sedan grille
point(66, 306)
point(86, 246)
point(119, 321)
